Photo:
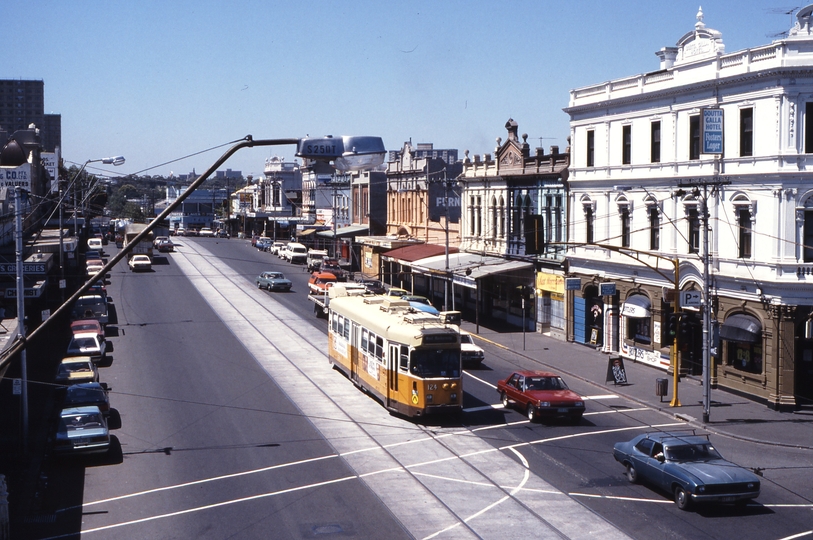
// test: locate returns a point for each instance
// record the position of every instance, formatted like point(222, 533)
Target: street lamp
point(117, 160)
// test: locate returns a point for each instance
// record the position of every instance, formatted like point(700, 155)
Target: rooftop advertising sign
point(712, 131)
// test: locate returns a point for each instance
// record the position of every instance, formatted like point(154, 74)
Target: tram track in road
point(295, 356)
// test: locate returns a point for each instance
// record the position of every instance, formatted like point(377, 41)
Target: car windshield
point(85, 343)
point(465, 338)
point(691, 452)
point(82, 421)
point(545, 383)
point(275, 276)
point(436, 362)
point(75, 367)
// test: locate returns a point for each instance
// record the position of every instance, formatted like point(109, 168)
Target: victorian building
point(645, 165)
point(513, 207)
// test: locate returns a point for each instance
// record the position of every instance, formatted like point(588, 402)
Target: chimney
point(554, 150)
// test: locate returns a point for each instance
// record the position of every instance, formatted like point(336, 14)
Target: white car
point(206, 231)
point(88, 344)
point(470, 352)
point(140, 263)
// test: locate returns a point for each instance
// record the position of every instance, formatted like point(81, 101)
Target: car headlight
point(544, 403)
point(579, 404)
point(751, 485)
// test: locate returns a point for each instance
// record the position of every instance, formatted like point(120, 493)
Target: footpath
point(729, 414)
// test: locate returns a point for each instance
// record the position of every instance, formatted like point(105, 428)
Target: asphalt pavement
point(729, 414)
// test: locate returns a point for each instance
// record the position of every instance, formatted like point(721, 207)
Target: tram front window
point(429, 363)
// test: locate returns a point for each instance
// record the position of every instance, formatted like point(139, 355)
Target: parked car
point(273, 281)
point(333, 266)
point(96, 244)
point(90, 306)
point(277, 248)
point(94, 266)
point(92, 254)
point(83, 326)
point(687, 466)
point(82, 430)
point(470, 352)
point(180, 231)
point(206, 232)
point(140, 263)
point(373, 286)
point(98, 289)
point(541, 394)
point(263, 243)
point(76, 369)
point(320, 281)
point(222, 233)
point(85, 394)
point(87, 344)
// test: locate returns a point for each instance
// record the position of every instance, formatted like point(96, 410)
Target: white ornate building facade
point(638, 181)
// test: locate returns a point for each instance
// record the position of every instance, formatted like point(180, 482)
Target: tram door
point(354, 353)
point(392, 373)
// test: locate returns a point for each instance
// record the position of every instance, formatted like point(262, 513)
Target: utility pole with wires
point(701, 191)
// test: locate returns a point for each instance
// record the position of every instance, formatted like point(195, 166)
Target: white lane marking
point(216, 505)
point(212, 479)
point(478, 379)
point(800, 535)
point(602, 396)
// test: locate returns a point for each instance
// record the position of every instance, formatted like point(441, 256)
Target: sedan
point(165, 246)
point(140, 263)
point(373, 286)
point(687, 466)
point(88, 344)
point(77, 369)
point(541, 394)
point(86, 394)
point(82, 430)
point(273, 281)
point(94, 266)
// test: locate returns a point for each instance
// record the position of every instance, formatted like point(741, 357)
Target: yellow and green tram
point(407, 359)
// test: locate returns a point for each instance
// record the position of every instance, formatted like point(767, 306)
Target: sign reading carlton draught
point(712, 131)
point(442, 199)
point(12, 177)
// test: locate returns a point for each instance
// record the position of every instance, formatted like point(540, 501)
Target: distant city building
point(228, 173)
point(426, 150)
point(23, 103)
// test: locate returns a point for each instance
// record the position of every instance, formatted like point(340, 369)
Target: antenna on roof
point(782, 11)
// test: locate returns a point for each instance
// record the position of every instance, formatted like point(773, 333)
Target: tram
point(409, 360)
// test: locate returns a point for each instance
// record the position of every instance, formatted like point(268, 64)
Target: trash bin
point(661, 387)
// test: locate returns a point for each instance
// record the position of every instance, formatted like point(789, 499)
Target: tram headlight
point(429, 398)
point(454, 385)
point(453, 397)
point(445, 386)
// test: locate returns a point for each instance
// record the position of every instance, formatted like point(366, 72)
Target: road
point(234, 426)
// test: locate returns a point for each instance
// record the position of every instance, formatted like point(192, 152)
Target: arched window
point(744, 216)
point(493, 211)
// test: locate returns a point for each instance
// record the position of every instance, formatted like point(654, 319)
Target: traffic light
point(673, 325)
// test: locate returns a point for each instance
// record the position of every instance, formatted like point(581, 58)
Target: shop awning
point(305, 232)
point(468, 265)
point(344, 232)
point(742, 328)
point(409, 254)
point(637, 306)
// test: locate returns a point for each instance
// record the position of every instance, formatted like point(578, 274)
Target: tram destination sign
point(12, 177)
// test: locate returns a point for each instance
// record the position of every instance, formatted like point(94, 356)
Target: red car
point(541, 394)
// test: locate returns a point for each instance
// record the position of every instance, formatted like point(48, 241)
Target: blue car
point(687, 466)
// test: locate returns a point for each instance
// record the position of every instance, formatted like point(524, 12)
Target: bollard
point(661, 387)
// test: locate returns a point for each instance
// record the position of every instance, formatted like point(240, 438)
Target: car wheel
point(259, 286)
point(531, 413)
point(682, 499)
point(632, 474)
point(504, 399)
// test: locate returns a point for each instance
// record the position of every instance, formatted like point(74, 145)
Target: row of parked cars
point(85, 417)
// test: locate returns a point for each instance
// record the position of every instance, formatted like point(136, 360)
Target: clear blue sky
point(156, 81)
